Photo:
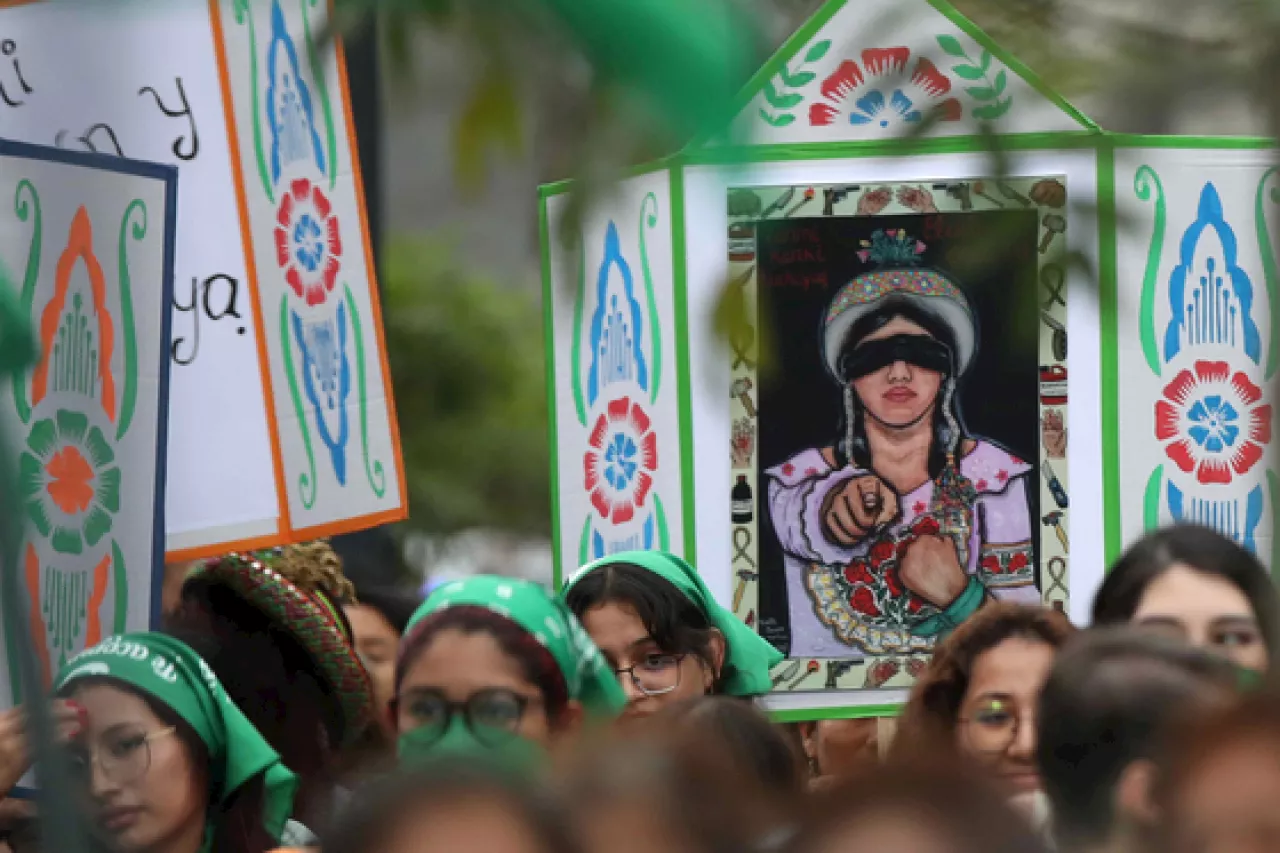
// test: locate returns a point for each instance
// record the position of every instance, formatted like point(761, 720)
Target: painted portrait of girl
point(903, 524)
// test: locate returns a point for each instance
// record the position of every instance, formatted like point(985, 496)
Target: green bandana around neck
point(588, 678)
point(170, 672)
point(750, 655)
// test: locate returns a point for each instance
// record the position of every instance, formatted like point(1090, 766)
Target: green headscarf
point(750, 655)
point(170, 672)
point(588, 678)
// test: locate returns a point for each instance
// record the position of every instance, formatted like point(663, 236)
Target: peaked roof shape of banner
point(875, 70)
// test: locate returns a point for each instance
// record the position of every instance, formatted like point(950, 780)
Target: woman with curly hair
point(977, 699)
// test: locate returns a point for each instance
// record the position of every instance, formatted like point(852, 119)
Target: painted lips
point(900, 395)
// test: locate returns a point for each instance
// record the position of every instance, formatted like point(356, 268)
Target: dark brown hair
point(537, 664)
point(960, 807)
point(929, 719)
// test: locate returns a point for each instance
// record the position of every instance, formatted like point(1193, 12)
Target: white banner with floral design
point(1197, 349)
point(88, 246)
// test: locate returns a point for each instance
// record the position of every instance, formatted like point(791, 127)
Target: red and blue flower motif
point(620, 461)
point(880, 92)
point(1213, 422)
point(308, 241)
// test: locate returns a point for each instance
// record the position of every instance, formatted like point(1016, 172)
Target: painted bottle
point(744, 505)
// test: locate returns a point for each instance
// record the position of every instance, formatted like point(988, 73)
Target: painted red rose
point(991, 564)
point(893, 582)
point(880, 552)
point(927, 527)
point(1018, 562)
point(915, 605)
point(857, 573)
point(864, 602)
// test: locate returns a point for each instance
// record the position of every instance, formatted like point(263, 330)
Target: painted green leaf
point(968, 72)
point(97, 525)
point(1002, 79)
point(777, 121)
point(982, 93)
point(985, 61)
point(795, 81)
point(66, 540)
point(100, 452)
point(779, 101)
point(818, 51)
point(108, 493)
point(39, 516)
point(72, 425)
point(30, 476)
point(43, 438)
point(951, 45)
point(993, 111)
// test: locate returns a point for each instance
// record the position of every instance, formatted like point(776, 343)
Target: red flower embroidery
point(621, 460)
point(927, 526)
point(919, 507)
point(880, 552)
point(308, 244)
point(788, 470)
point(811, 472)
point(893, 582)
point(981, 485)
point(1002, 475)
point(1018, 562)
point(1213, 422)
point(991, 565)
point(857, 572)
point(864, 602)
point(915, 605)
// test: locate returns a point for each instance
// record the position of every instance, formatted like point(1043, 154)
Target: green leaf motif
point(985, 61)
point(97, 525)
point(42, 439)
point(968, 72)
point(66, 540)
point(993, 111)
point(982, 93)
point(777, 121)
point(951, 45)
point(779, 101)
point(30, 476)
point(39, 516)
point(818, 51)
point(99, 450)
point(72, 425)
point(108, 491)
point(1002, 80)
point(796, 81)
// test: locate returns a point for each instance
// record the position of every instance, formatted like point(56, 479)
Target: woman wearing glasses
point(496, 666)
point(978, 696)
point(663, 633)
point(169, 763)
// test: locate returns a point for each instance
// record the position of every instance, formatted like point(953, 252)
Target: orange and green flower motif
point(69, 482)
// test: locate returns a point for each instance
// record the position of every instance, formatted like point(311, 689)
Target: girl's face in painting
point(1206, 611)
point(900, 394)
point(148, 791)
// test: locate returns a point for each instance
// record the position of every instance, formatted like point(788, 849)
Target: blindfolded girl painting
point(904, 524)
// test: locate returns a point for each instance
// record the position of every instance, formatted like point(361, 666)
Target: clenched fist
point(931, 569)
point(857, 508)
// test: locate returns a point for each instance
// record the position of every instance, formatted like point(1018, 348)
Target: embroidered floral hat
point(284, 584)
point(897, 256)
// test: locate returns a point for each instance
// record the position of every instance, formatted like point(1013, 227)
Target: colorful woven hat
point(897, 255)
point(309, 615)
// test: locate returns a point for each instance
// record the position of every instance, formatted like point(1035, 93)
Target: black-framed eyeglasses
point(493, 715)
point(123, 757)
point(993, 726)
point(655, 675)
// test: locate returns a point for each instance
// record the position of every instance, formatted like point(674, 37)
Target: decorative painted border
point(892, 669)
point(287, 532)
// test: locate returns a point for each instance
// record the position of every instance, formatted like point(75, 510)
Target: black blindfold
point(919, 350)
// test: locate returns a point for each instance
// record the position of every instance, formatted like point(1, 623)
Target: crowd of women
point(278, 709)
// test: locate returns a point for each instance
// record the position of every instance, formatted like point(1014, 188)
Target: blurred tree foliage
point(470, 390)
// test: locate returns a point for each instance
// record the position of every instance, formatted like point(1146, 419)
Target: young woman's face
point(664, 678)
point(997, 724)
point(899, 394)
point(376, 643)
point(1229, 804)
point(471, 667)
point(1205, 611)
point(147, 791)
